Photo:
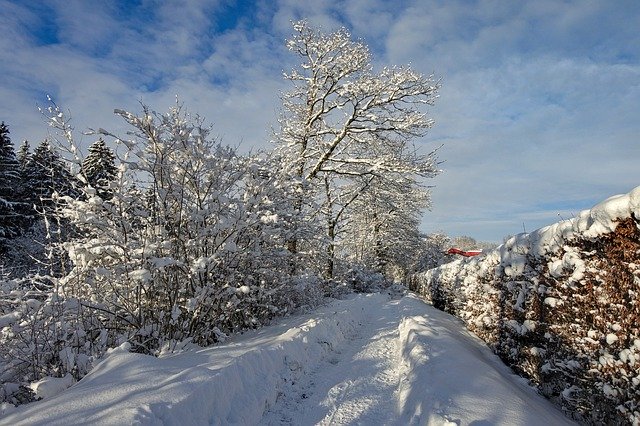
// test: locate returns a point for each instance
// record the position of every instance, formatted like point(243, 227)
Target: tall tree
point(24, 154)
point(9, 181)
point(9, 165)
point(26, 208)
point(45, 174)
point(343, 122)
point(433, 252)
point(382, 226)
point(99, 168)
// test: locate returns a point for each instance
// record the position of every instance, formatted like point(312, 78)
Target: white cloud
point(531, 111)
point(538, 108)
point(322, 13)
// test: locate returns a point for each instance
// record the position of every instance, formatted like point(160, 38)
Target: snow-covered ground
point(370, 359)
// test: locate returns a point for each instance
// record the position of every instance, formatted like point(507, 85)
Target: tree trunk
point(331, 230)
point(378, 249)
point(331, 234)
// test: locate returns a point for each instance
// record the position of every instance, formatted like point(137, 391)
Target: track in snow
point(408, 363)
point(354, 384)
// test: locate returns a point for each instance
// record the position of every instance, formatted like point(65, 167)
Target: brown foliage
point(577, 340)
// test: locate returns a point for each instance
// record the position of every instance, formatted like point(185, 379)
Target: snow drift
point(370, 359)
point(230, 384)
point(561, 306)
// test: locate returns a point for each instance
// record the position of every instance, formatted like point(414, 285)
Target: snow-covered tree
point(24, 154)
point(344, 124)
point(189, 245)
point(22, 235)
point(99, 167)
point(465, 242)
point(9, 166)
point(44, 176)
point(433, 252)
point(46, 173)
point(9, 182)
point(382, 226)
point(24, 193)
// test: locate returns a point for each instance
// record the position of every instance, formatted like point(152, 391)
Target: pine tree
point(26, 207)
point(45, 174)
point(24, 154)
point(9, 179)
point(9, 166)
point(99, 168)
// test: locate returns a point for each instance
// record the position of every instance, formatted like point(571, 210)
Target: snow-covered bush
point(189, 244)
point(43, 335)
point(363, 280)
point(185, 244)
point(561, 306)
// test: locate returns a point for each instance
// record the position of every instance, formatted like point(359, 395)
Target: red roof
point(467, 253)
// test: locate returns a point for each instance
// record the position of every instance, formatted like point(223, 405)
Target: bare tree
point(345, 126)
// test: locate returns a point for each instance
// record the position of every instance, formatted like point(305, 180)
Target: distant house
point(467, 253)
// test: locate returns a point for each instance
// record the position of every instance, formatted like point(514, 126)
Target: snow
point(592, 223)
point(51, 386)
point(243, 289)
point(611, 338)
point(551, 241)
point(8, 319)
point(369, 359)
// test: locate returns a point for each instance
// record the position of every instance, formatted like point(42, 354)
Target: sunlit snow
point(370, 359)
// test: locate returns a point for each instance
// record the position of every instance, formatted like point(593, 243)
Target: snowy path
point(369, 360)
point(411, 364)
point(355, 384)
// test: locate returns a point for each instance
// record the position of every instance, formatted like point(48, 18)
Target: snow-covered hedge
point(561, 306)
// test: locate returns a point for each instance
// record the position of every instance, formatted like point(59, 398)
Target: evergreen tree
point(9, 166)
point(23, 192)
point(9, 180)
point(99, 168)
point(24, 154)
point(45, 174)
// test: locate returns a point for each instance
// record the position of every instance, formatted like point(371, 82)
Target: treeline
point(28, 181)
point(164, 236)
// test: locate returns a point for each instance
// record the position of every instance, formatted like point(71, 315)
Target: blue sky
point(539, 111)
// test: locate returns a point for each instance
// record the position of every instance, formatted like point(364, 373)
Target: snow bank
point(51, 386)
point(451, 378)
point(559, 305)
point(590, 224)
point(233, 384)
